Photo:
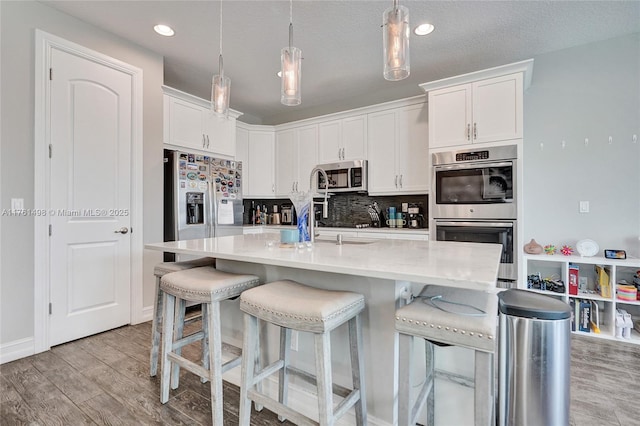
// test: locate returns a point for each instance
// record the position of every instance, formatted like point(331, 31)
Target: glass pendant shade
point(220, 90)
point(291, 58)
point(395, 34)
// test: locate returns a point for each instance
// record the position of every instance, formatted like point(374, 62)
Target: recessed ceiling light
point(164, 30)
point(424, 29)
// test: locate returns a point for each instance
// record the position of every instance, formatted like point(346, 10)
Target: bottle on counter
point(263, 217)
point(253, 213)
point(258, 216)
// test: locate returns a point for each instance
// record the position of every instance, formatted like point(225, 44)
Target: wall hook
point(563, 144)
point(586, 141)
point(634, 138)
point(541, 146)
point(610, 140)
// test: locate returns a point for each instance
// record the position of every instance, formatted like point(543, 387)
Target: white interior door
point(91, 137)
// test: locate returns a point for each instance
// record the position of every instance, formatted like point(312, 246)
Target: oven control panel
point(472, 156)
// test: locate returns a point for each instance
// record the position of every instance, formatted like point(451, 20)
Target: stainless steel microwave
point(344, 176)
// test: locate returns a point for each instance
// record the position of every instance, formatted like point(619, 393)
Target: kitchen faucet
point(325, 204)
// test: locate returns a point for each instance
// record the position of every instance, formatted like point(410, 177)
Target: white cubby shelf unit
point(556, 266)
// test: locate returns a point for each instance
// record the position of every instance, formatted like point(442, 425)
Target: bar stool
point(156, 326)
point(294, 306)
point(447, 316)
point(209, 287)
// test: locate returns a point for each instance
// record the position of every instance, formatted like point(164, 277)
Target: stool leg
point(484, 389)
point(155, 330)
point(181, 306)
point(283, 382)
point(167, 343)
point(405, 364)
point(430, 361)
point(204, 344)
point(249, 350)
point(357, 367)
point(258, 365)
point(323, 373)
point(215, 362)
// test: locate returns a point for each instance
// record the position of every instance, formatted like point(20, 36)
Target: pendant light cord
point(220, 57)
point(290, 24)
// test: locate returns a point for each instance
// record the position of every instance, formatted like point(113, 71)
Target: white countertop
point(457, 264)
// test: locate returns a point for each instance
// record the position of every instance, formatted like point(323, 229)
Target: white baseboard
point(17, 349)
point(301, 400)
point(147, 315)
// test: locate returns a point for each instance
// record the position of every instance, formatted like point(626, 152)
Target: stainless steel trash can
point(533, 366)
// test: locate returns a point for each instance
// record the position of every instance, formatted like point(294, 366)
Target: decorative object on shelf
point(566, 250)
point(550, 249)
point(532, 247)
point(615, 254)
point(221, 84)
point(291, 60)
point(587, 248)
point(395, 38)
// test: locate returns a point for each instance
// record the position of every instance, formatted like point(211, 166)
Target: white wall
point(591, 91)
point(18, 21)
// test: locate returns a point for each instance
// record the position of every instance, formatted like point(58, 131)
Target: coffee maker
point(415, 219)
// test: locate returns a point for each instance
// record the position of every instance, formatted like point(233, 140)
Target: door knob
point(122, 230)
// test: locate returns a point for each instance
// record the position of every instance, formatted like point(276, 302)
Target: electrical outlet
point(584, 207)
point(294, 340)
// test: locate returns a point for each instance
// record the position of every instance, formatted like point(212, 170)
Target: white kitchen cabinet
point(343, 139)
point(398, 151)
point(296, 155)
point(487, 110)
point(259, 170)
point(189, 123)
point(242, 155)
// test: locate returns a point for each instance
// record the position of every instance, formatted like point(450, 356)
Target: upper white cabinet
point(398, 151)
point(486, 107)
point(296, 155)
point(343, 139)
point(189, 123)
point(255, 148)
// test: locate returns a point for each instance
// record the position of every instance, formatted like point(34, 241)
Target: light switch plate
point(584, 207)
point(17, 204)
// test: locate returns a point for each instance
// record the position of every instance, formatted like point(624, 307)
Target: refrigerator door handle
point(213, 231)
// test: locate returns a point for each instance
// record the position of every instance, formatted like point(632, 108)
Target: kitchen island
point(384, 271)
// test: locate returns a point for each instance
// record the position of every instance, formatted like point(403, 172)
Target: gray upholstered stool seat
point(208, 286)
point(294, 306)
point(448, 316)
point(156, 326)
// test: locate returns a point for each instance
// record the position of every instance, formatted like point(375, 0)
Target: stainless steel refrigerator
point(202, 197)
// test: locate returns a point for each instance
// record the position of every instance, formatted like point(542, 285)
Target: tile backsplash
point(347, 210)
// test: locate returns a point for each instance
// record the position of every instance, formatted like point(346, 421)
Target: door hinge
point(50, 229)
point(50, 308)
point(50, 150)
point(50, 73)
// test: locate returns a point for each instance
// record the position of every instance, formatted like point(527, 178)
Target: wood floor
point(104, 380)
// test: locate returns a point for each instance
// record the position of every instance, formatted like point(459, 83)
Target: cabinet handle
point(475, 131)
point(343, 153)
point(203, 140)
point(293, 186)
point(396, 181)
point(468, 131)
point(296, 185)
point(400, 181)
point(273, 187)
point(207, 141)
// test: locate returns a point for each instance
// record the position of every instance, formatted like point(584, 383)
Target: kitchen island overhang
point(381, 270)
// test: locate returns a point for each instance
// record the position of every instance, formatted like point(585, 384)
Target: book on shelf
point(603, 284)
point(573, 279)
point(585, 316)
point(574, 314)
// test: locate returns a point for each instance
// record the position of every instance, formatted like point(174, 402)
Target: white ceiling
point(341, 43)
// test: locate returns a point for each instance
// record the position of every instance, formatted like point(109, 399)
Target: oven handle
point(486, 224)
point(473, 166)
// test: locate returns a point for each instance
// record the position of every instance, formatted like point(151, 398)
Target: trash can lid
point(527, 304)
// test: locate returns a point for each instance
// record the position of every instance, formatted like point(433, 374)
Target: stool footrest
point(189, 365)
point(346, 403)
point(232, 363)
point(310, 378)
point(267, 371)
point(187, 340)
point(282, 410)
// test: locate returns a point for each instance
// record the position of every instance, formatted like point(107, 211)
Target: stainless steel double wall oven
point(474, 200)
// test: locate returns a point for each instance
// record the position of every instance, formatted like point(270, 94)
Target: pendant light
point(395, 37)
point(220, 84)
point(291, 59)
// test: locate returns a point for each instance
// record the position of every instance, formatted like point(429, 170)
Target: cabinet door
point(221, 133)
point(382, 135)
point(183, 124)
point(286, 167)
point(412, 149)
point(497, 109)
point(329, 141)
point(307, 155)
point(261, 162)
point(354, 138)
point(242, 155)
point(450, 116)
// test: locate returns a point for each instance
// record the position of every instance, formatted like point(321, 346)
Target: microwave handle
point(473, 166)
point(487, 224)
